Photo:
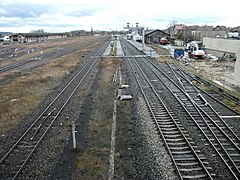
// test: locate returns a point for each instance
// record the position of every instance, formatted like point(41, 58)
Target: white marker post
point(73, 135)
point(113, 137)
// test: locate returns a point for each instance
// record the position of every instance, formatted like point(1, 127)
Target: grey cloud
point(24, 11)
point(6, 24)
point(80, 13)
point(28, 11)
point(84, 10)
point(189, 19)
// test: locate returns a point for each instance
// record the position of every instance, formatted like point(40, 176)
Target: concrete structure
point(220, 46)
point(237, 70)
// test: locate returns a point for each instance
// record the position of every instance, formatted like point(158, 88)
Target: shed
point(155, 36)
point(32, 37)
point(14, 37)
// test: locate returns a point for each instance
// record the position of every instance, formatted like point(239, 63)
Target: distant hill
point(3, 33)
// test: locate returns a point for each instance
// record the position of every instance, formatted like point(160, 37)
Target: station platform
point(146, 49)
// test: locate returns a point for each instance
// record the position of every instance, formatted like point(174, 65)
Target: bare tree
point(37, 31)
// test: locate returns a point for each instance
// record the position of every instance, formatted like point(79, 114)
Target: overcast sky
point(67, 15)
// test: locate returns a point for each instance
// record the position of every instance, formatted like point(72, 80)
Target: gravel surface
point(159, 161)
point(140, 151)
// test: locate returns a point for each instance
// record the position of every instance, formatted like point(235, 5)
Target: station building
point(155, 36)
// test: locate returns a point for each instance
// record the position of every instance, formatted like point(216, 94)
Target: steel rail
point(170, 151)
point(54, 119)
point(21, 63)
point(212, 109)
point(208, 105)
point(165, 110)
point(185, 76)
point(233, 164)
point(200, 80)
point(235, 136)
point(15, 65)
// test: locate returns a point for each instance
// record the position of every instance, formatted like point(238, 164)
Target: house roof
point(220, 28)
point(235, 29)
point(179, 26)
point(199, 28)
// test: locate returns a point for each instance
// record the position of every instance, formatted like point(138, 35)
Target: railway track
point(216, 92)
point(216, 132)
point(185, 77)
point(188, 160)
point(17, 157)
point(184, 80)
point(53, 54)
point(14, 65)
point(212, 128)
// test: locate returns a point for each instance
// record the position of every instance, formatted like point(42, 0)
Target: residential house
point(176, 31)
point(196, 32)
point(220, 32)
point(235, 29)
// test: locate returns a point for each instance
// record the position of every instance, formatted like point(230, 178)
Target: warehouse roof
point(41, 34)
point(156, 31)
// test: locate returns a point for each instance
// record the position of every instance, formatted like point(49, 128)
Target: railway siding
point(195, 107)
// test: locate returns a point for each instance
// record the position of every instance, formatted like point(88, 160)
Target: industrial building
point(36, 37)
